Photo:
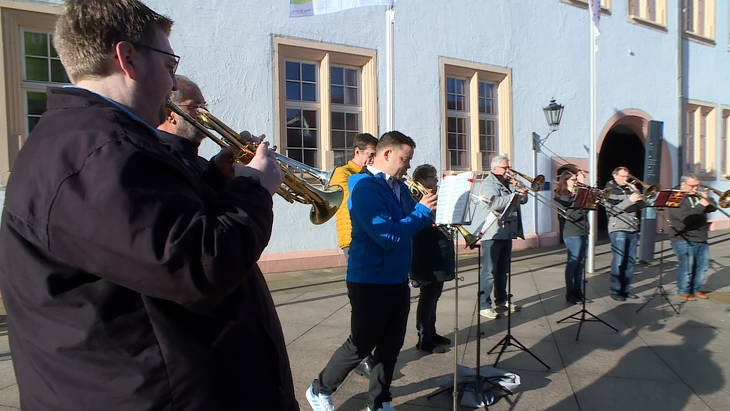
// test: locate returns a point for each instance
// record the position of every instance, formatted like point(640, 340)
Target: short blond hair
point(88, 30)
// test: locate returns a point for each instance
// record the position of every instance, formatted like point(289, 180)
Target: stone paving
point(658, 360)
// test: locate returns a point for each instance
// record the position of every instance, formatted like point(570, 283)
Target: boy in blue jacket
point(384, 221)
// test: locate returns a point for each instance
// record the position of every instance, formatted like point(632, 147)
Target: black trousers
point(378, 321)
point(426, 311)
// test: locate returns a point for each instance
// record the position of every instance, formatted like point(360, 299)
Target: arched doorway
point(622, 146)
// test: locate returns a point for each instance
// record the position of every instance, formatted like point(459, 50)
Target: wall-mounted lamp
point(553, 114)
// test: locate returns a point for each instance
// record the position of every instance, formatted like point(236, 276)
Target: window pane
point(338, 139)
point(461, 124)
point(292, 70)
point(292, 90)
point(460, 103)
point(310, 158)
point(462, 158)
point(36, 102)
point(58, 74)
point(351, 78)
point(340, 158)
point(308, 72)
point(53, 49)
point(310, 118)
point(350, 140)
point(309, 92)
point(450, 87)
point(454, 159)
point(451, 143)
point(459, 87)
point(336, 76)
point(309, 138)
point(36, 44)
point(338, 120)
point(293, 118)
point(451, 124)
point(293, 137)
point(450, 102)
point(353, 122)
point(337, 94)
point(351, 96)
point(295, 154)
point(461, 141)
point(32, 121)
point(36, 69)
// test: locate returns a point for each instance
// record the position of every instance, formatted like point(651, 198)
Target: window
point(41, 68)
point(724, 148)
point(325, 95)
point(652, 12)
point(699, 19)
point(30, 65)
point(605, 4)
point(476, 118)
point(699, 140)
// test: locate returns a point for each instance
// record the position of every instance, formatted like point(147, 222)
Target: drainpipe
point(680, 89)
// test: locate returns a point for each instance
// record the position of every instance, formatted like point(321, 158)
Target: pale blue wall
point(226, 47)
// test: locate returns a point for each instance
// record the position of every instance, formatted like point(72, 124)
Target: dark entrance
point(621, 147)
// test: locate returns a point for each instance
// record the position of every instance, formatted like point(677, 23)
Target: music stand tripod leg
point(660, 288)
point(508, 339)
point(583, 311)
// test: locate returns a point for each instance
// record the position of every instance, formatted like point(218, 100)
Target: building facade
point(470, 79)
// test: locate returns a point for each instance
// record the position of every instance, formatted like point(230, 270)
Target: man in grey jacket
point(622, 207)
point(497, 240)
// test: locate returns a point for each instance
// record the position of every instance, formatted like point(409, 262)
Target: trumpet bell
point(323, 210)
point(537, 183)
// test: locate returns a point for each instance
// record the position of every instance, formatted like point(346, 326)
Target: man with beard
point(129, 283)
point(184, 138)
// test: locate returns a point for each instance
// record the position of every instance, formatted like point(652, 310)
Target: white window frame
point(703, 117)
point(707, 34)
point(642, 14)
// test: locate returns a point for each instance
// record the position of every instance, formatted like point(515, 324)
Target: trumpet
point(536, 183)
point(650, 190)
point(723, 198)
point(324, 201)
point(418, 190)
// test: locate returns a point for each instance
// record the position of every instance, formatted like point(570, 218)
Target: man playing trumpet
point(689, 223)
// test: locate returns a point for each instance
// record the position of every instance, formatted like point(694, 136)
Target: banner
point(302, 8)
point(594, 6)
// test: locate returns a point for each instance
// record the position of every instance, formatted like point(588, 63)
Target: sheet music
point(453, 199)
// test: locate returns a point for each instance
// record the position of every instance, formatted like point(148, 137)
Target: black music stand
point(664, 199)
point(472, 383)
point(509, 339)
point(585, 199)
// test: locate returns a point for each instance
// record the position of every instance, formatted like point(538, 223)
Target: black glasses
point(175, 56)
point(204, 106)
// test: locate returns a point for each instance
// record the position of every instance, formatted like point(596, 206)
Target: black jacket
point(689, 220)
point(575, 222)
point(187, 152)
point(129, 284)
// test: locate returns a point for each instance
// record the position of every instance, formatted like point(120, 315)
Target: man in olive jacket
point(129, 284)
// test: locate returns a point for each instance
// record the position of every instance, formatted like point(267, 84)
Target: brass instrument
point(324, 200)
point(418, 190)
point(723, 199)
point(650, 190)
point(536, 183)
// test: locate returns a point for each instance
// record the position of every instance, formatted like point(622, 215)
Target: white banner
point(302, 8)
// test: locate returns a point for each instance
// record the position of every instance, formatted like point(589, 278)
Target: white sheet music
point(453, 199)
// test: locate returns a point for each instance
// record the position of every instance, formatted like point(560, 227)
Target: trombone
point(723, 198)
point(536, 183)
point(650, 190)
point(418, 190)
point(324, 200)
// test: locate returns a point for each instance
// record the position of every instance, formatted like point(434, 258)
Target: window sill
point(584, 3)
point(649, 23)
point(708, 41)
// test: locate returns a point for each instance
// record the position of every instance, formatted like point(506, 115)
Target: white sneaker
point(489, 313)
point(513, 308)
point(385, 407)
point(319, 402)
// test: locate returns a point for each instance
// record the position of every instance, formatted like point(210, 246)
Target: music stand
point(664, 199)
point(508, 339)
point(585, 199)
point(473, 383)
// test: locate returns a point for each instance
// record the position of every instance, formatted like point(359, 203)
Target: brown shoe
point(686, 297)
point(701, 295)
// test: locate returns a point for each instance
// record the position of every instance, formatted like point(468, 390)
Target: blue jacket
point(382, 230)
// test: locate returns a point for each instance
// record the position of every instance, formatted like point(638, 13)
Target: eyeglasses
point(204, 106)
point(175, 56)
